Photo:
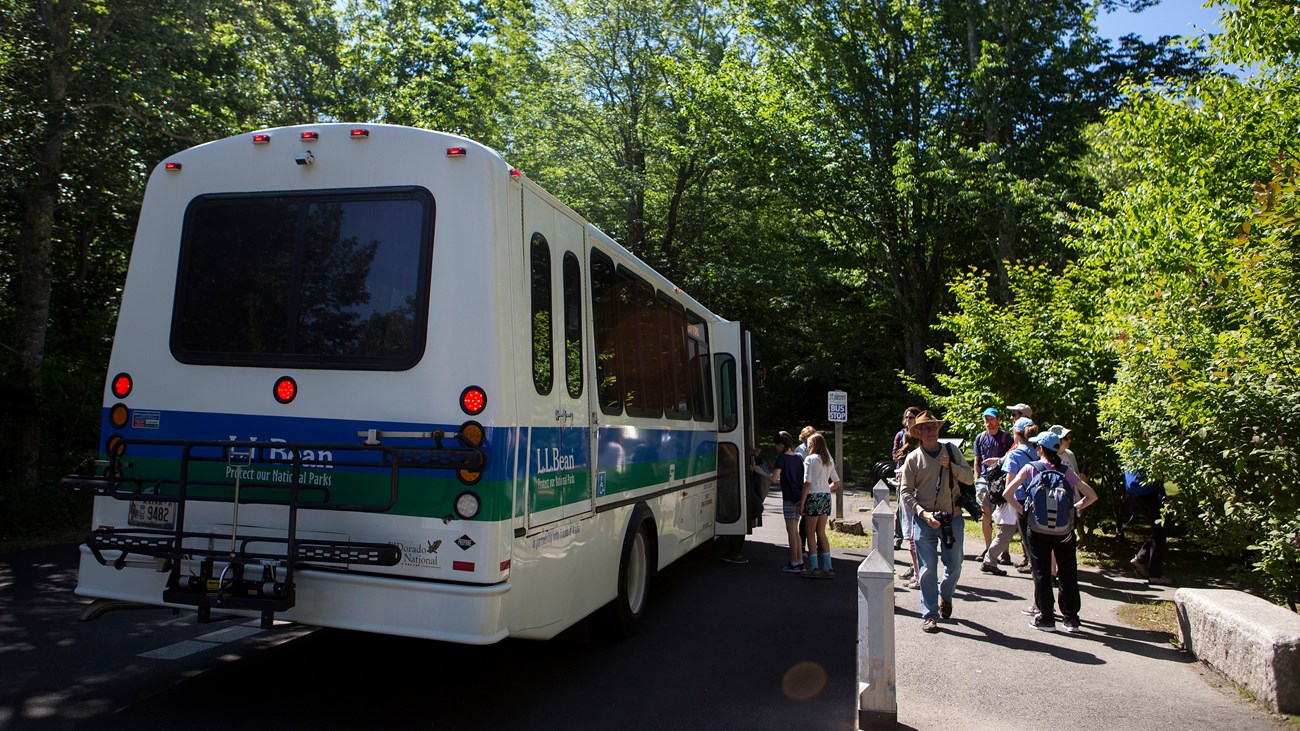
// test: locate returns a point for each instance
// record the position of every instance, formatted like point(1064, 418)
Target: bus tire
point(635, 569)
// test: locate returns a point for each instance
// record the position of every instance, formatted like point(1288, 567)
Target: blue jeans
point(929, 542)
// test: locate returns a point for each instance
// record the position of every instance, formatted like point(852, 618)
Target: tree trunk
point(36, 239)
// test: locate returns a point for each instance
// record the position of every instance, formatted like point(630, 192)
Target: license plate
point(147, 514)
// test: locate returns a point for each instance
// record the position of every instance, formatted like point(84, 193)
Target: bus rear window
point(318, 279)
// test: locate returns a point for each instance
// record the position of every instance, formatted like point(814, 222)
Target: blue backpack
point(1049, 502)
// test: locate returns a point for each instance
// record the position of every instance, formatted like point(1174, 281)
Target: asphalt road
point(724, 646)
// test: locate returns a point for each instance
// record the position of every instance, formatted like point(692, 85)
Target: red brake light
point(261, 139)
point(473, 400)
point(122, 385)
point(172, 166)
point(359, 134)
point(310, 136)
point(457, 151)
point(285, 389)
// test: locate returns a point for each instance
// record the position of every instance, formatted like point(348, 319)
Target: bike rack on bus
point(256, 572)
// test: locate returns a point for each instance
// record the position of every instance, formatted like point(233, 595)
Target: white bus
point(371, 377)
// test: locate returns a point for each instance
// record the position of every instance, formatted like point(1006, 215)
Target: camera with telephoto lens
point(945, 528)
point(968, 502)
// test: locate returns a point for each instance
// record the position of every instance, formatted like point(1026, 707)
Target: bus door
point(559, 447)
point(733, 376)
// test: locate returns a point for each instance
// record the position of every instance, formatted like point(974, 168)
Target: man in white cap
point(1020, 410)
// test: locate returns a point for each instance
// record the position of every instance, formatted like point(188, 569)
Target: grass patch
point(1160, 617)
point(848, 540)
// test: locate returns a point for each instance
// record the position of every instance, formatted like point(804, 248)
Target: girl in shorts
point(819, 479)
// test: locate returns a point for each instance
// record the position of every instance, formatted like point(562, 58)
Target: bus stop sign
point(837, 407)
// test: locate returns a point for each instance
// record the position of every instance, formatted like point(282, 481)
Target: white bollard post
point(880, 492)
point(882, 532)
point(877, 689)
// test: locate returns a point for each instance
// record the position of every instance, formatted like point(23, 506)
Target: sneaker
point(793, 568)
point(1023, 564)
point(945, 608)
point(929, 625)
point(1070, 624)
point(1139, 567)
point(809, 572)
point(1023, 569)
point(827, 574)
point(1006, 559)
point(1030, 610)
point(1041, 623)
point(989, 568)
point(735, 559)
point(907, 573)
point(1158, 581)
point(980, 557)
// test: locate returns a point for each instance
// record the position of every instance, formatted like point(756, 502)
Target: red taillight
point(473, 400)
point(462, 565)
point(172, 166)
point(310, 136)
point(261, 139)
point(285, 389)
point(457, 151)
point(122, 385)
point(359, 134)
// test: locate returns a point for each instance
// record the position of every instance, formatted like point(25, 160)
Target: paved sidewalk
point(986, 669)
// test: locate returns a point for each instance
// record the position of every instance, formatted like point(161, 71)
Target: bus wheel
point(623, 617)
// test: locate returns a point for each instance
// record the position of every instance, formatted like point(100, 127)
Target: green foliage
point(1173, 335)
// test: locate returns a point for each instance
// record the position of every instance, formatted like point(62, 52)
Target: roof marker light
point(261, 139)
point(172, 166)
point(457, 151)
point(310, 136)
point(359, 134)
point(514, 173)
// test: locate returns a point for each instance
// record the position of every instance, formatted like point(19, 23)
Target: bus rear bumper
point(462, 613)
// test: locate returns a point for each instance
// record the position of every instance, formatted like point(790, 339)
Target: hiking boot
point(945, 608)
point(929, 625)
point(1040, 622)
point(1139, 567)
point(1023, 569)
point(1006, 559)
point(793, 568)
point(980, 557)
point(827, 574)
point(809, 572)
point(1158, 581)
point(1070, 624)
point(989, 568)
point(907, 573)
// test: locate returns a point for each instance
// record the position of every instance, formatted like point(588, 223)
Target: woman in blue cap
point(1051, 529)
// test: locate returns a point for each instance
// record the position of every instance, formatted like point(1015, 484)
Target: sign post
point(837, 412)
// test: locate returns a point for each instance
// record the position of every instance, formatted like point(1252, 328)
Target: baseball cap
point(1059, 431)
point(991, 412)
point(1022, 424)
point(1022, 408)
point(1047, 440)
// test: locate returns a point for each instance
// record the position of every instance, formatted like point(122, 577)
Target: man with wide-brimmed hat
point(929, 489)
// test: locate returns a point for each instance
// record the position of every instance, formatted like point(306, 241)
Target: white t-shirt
point(819, 475)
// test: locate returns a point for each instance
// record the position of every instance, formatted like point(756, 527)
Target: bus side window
point(728, 417)
point(604, 312)
point(543, 345)
point(573, 325)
